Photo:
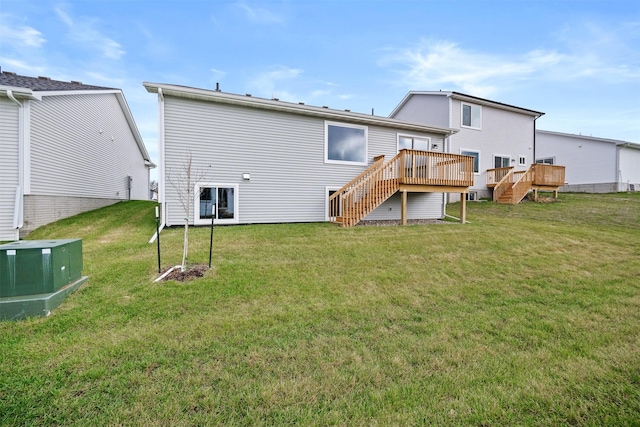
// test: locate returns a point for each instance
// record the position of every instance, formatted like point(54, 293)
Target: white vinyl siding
point(9, 180)
point(586, 161)
point(82, 146)
point(283, 153)
point(629, 166)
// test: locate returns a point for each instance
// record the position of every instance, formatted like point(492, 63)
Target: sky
point(578, 61)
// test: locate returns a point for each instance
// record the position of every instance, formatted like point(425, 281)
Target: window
point(345, 143)
point(471, 116)
point(334, 210)
point(476, 158)
point(225, 199)
point(414, 143)
point(522, 161)
point(547, 161)
point(501, 161)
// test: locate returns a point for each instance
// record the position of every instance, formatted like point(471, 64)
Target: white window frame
point(413, 138)
point(522, 160)
point(478, 126)
point(345, 125)
point(327, 190)
point(545, 160)
point(206, 221)
point(468, 150)
point(502, 156)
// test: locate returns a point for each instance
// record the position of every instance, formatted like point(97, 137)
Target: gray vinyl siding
point(82, 146)
point(428, 110)
point(284, 154)
point(9, 137)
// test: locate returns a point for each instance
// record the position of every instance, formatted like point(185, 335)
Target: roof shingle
point(43, 83)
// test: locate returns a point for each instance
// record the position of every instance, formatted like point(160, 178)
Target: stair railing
point(522, 185)
point(336, 202)
point(503, 185)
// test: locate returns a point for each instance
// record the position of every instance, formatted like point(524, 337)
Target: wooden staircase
point(364, 193)
point(515, 185)
point(407, 171)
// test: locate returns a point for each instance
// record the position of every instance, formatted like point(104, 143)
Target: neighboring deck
point(409, 171)
point(511, 186)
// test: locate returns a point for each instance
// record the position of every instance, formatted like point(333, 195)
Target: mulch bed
point(192, 272)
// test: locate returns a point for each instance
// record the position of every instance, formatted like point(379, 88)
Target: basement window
point(225, 199)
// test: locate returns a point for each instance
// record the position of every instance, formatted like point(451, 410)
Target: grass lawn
point(528, 315)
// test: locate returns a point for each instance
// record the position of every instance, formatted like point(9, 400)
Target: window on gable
point(476, 158)
point(345, 143)
point(472, 116)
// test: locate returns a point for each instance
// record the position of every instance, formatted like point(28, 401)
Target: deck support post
point(535, 194)
point(463, 208)
point(403, 208)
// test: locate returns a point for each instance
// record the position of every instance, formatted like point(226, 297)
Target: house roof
point(290, 107)
point(469, 98)
point(617, 142)
point(43, 83)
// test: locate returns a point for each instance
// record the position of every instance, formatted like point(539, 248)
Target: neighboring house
point(594, 165)
point(267, 161)
point(65, 148)
point(497, 135)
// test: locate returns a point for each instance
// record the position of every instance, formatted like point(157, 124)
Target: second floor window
point(471, 116)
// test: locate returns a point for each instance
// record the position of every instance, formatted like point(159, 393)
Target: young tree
point(183, 182)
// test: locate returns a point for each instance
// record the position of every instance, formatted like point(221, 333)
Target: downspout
point(618, 173)
point(534, 137)
point(18, 211)
point(163, 205)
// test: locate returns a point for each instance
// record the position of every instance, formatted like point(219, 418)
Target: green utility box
point(32, 271)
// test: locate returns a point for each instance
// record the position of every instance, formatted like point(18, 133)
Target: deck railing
point(379, 182)
point(494, 176)
point(548, 175)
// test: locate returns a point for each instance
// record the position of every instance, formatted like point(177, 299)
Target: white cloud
point(275, 83)
point(439, 64)
point(84, 32)
point(260, 15)
point(19, 36)
point(585, 51)
point(21, 67)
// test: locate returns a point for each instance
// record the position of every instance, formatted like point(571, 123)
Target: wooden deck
point(408, 171)
point(510, 186)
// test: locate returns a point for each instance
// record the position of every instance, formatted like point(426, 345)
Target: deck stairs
point(364, 193)
point(407, 171)
point(515, 185)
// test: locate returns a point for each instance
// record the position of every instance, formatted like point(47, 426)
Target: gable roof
point(43, 83)
point(35, 88)
point(469, 98)
point(290, 107)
